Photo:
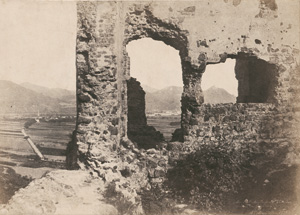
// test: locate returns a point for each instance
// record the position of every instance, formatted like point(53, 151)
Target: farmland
point(18, 162)
point(51, 137)
point(165, 124)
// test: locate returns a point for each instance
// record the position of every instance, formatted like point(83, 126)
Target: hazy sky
point(158, 65)
point(154, 63)
point(221, 75)
point(37, 42)
point(37, 45)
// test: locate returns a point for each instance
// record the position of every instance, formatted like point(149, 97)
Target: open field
point(11, 137)
point(165, 124)
point(18, 163)
point(50, 137)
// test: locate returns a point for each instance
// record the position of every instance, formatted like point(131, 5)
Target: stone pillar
point(98, 83)
point(192, 97)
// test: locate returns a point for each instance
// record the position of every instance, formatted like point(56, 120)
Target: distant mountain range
point(168, 99)
point(56, 93)
point(149, 89)
point(215, 95)
point(28, 98)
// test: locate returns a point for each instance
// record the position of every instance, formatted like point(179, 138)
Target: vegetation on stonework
point(206, 178)
point(235, 178)
point(10, 182)
point(118, 200)
point(157, 200)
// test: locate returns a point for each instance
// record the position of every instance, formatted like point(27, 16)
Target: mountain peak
point(215, 95)
point(213, 88)
point(148, 89)
point(7, 82)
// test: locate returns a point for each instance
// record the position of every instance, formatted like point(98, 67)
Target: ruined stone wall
point(98, 97)
point(136, 105)
point(143, 135)
point(198, 31)
point(263, 36)
point(233, 123)
point(201, 34)
point(243, 124)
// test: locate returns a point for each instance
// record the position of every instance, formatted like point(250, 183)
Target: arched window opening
point(153, 92)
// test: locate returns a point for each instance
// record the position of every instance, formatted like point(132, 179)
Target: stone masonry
point(143, 135)
point(263, 37)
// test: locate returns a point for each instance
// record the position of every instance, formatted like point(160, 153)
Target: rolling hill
point(148, 89)
point(66, 98)
point(215, 95)
point(29, 99)
point(167, 99)
point(56, 93)
point(20, 100)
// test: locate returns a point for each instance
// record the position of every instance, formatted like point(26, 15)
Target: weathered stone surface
point(260, 131)
point(137, 129)
point(61, 192)
point(136, 104)
point(264, 40)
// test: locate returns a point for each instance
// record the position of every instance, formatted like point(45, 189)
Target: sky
point(37, 42)
point(155, 64)
point(37, 45)
point(221, 75)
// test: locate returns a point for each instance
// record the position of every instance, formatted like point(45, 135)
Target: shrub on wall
point(234, 177)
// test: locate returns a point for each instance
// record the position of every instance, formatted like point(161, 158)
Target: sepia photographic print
point(150, 107)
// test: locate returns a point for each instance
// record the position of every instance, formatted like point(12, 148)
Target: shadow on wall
point(139, 132)
point(257, 80)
